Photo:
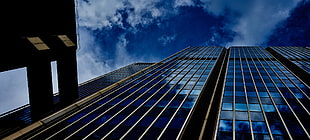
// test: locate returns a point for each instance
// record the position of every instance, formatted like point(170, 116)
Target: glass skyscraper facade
point(21, 116)
point(300, 56)
point(197, 93)
point(152, 104)
point(262, 99)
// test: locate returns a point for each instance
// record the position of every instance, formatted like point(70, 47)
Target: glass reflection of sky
point(225, 125)
point(242, 126)
point(262, 94)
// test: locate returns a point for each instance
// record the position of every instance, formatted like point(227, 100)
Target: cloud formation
point(123, 57)
point(89, 58)
point(252, 21)
point(119, 30)
point(119, 18)
point(98, 14)
point(165, 39)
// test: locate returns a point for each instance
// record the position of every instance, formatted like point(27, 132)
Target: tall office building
point(262, 99)
point(298, 55)
point(197, 93)
point(297, 59)
point(21, 116)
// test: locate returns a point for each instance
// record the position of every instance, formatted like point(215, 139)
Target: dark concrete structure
point(36, 33)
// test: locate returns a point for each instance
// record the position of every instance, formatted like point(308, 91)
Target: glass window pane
point(226, 115)
point(227, 106)
point(225, 125)
point(242, 126)
point(269, 108)
point(259, 127)
point(257, 116)
point(277, 128)
point(254, 107)
point(241, 115)
point(224, 136)
point(243, 136)
point(241, 107)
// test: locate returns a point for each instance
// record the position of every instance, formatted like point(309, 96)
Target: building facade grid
point(247, 93)
point(300, 56)
point(262, 99)
point(156, 104)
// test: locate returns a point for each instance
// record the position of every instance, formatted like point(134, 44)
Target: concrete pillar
point(67, 71)
point(39, 80)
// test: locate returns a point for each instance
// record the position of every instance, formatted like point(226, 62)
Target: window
point(257, 116)
point(241, 115)
point(225, 125)
point(242, 126)
point(226, 115)
point(259, 127)
point(227, 106)
point(254, 107)
point(240, 107)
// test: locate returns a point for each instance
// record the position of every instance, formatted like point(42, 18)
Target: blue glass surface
point(188, 104)
point(226, 115)
point(161, 122)
point(146, 121)
point(126, 102)
point(257, 116)
point(195, 92)
point(242, 126)
point(225, 125)
point(227, 106)
point(277, 128)
point(283, 108)
point(150, 103)
point(76, 117)
point(263, 94)
point(89, 118)
point(259, 127)
point(177, 123)
point(254, 107)
point(241, 107)
point(131, 120)
point(162, 103)
point(138, 102)
point(251, 94)
point(115, 101)
point(241, 115)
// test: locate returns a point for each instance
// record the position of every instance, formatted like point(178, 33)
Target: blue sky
point(119, 32)
point(115, 33)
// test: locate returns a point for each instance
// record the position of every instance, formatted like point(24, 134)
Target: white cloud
point(97, 14)
point(179, 3)
point(14, 89)
point(122, 56)
point(252, 20)
point(165, 39)
point(88, 58)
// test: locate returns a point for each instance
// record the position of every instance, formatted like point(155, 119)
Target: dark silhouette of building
point(197, 93)
point(34, 34)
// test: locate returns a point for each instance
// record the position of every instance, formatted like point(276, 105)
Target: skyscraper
point(297, 59)
point(197, 93)
point(262, 99)
point(21, 117)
